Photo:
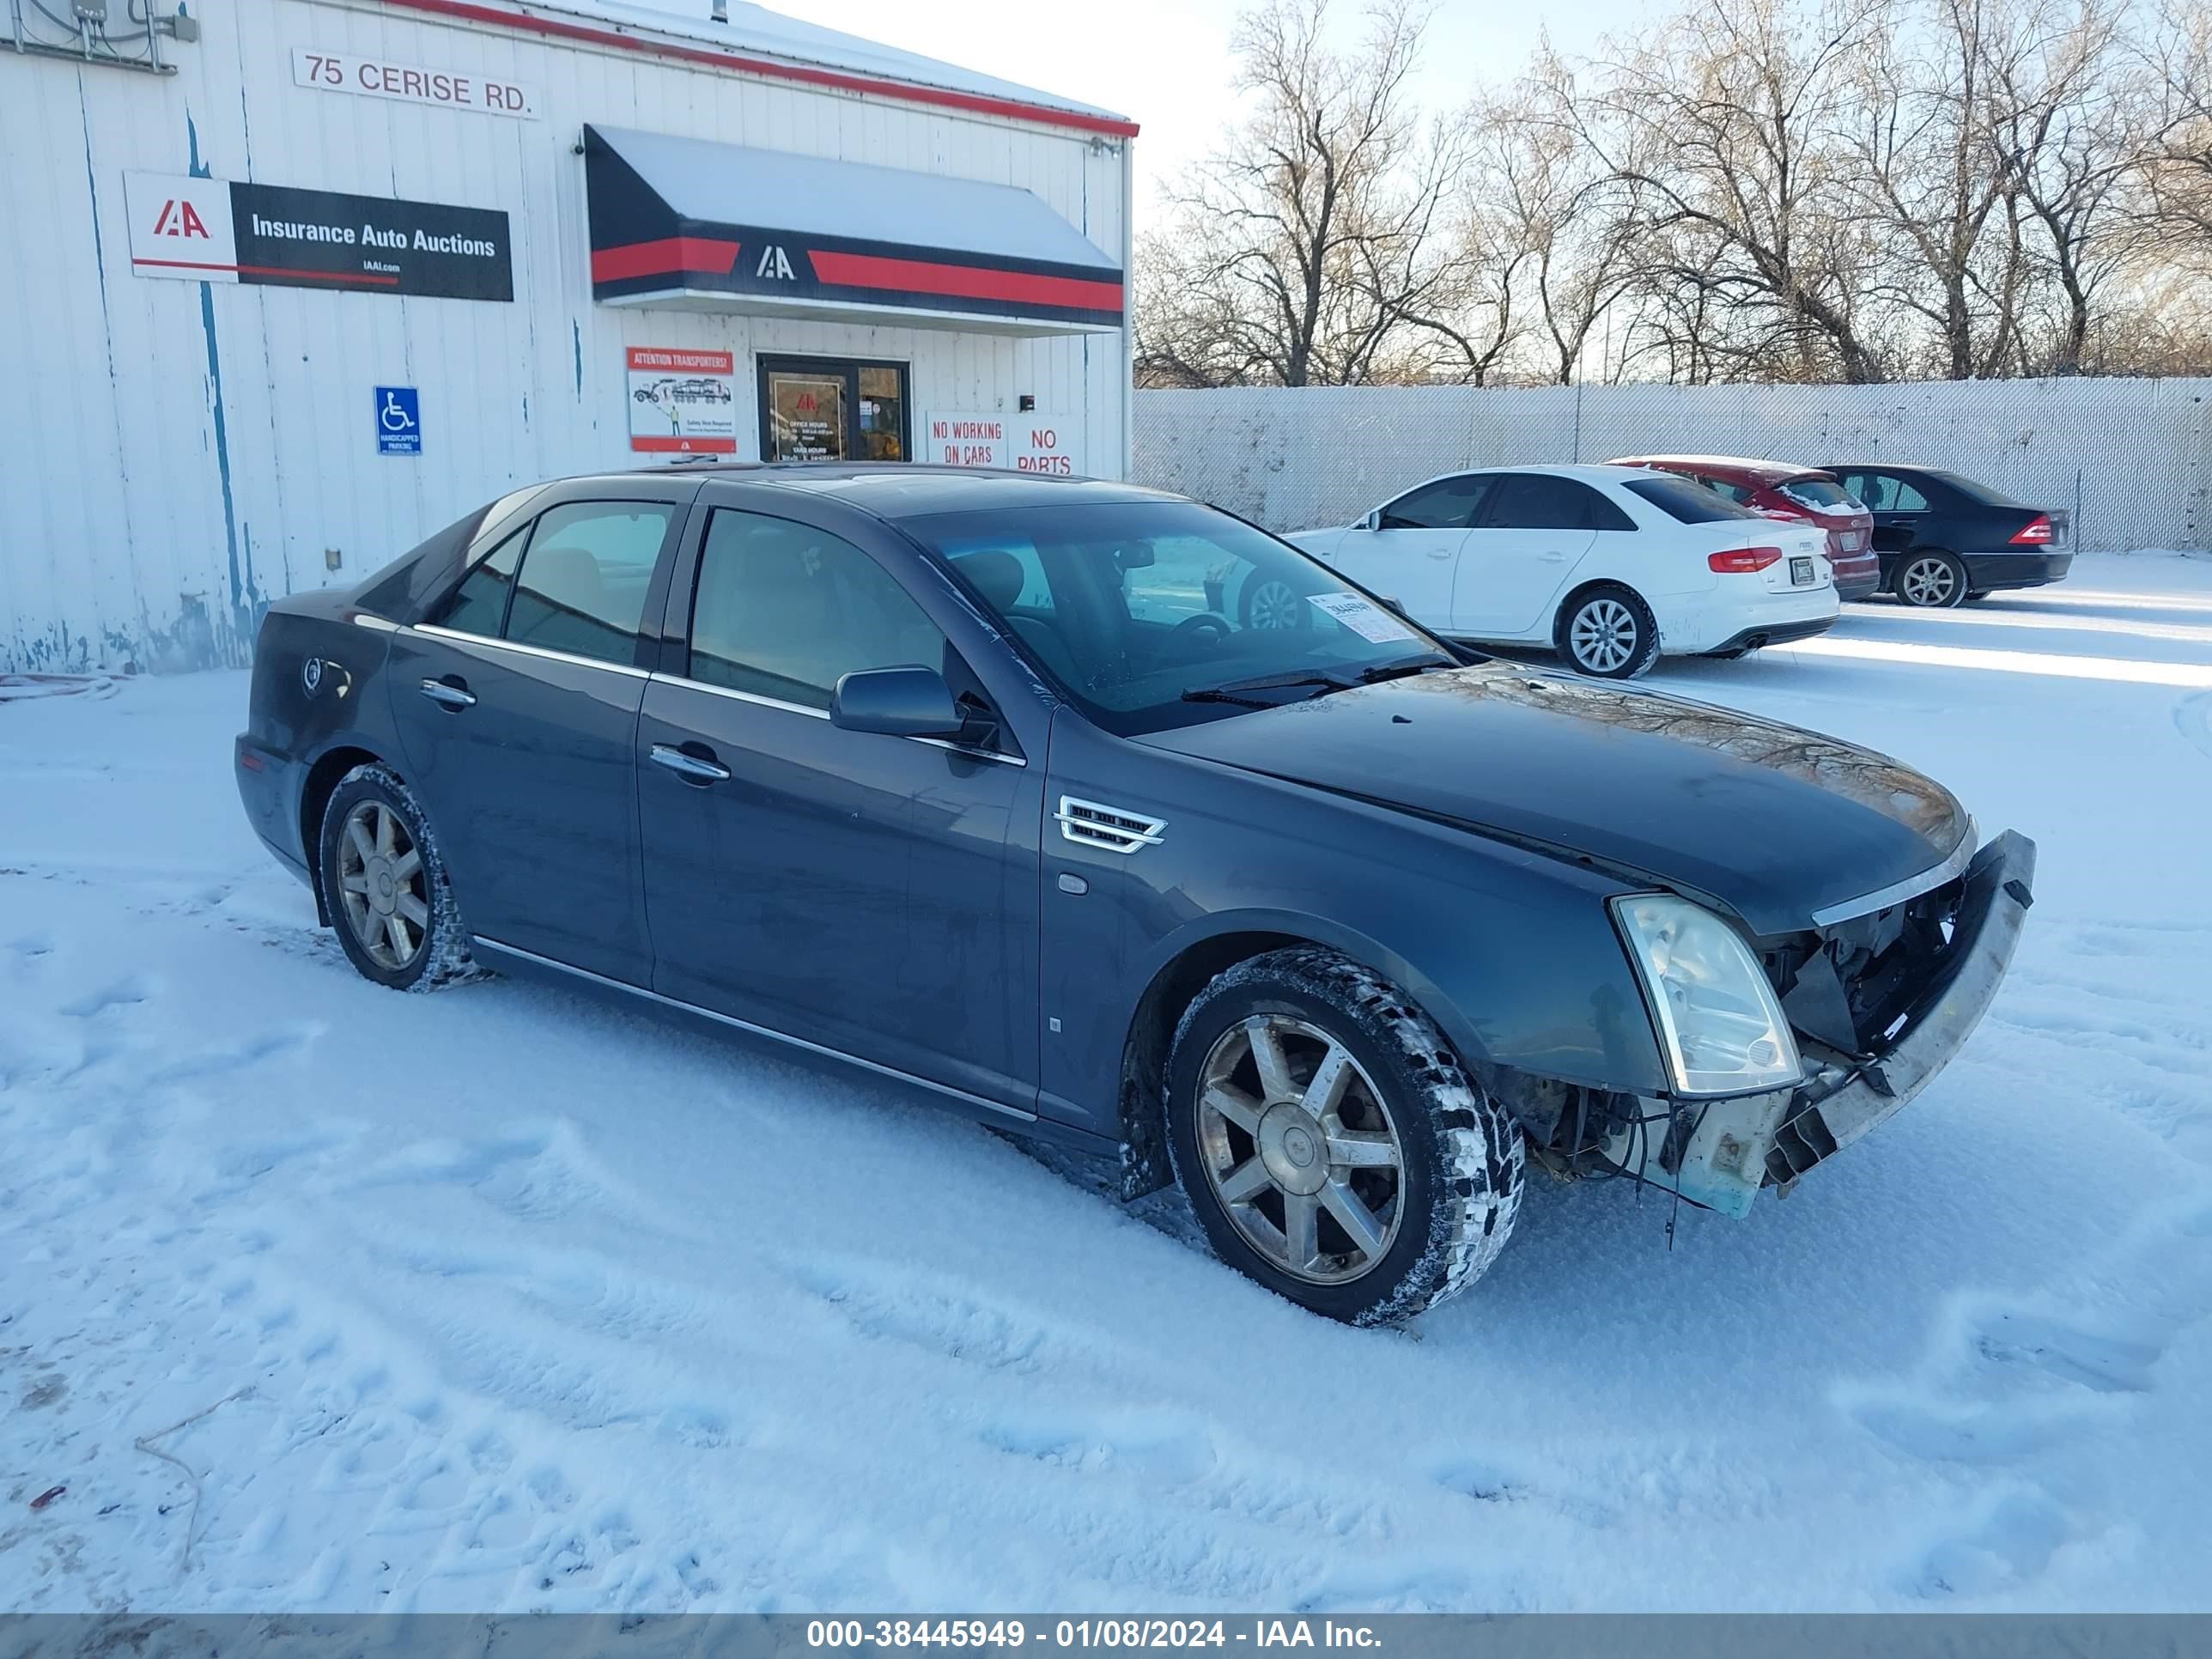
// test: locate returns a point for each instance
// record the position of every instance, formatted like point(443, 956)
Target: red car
point(1801, 495)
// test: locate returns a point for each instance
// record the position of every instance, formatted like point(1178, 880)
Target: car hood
point(1774, 822)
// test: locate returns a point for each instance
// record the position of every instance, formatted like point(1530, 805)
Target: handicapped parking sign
point(398, 420)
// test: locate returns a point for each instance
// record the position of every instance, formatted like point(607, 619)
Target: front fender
point(1569, 1010)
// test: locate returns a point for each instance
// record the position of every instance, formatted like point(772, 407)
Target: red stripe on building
point(939, 97)
point(671, 256)
point(685, 446)
point(964, 281)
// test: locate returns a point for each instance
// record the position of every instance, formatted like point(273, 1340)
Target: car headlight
point(1719, 1020)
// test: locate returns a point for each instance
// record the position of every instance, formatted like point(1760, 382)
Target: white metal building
point(288, 284)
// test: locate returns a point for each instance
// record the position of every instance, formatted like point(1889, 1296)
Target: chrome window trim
point(812, 713)
point(969, 751)
point(736, 695)
point(772, 1035)
point(454, 634)
point(1912, 887)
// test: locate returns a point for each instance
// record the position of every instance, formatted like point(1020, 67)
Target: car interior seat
point(998, 577)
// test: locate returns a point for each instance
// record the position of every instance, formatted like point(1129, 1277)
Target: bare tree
point(1729, 121)
point(1572, 225)
point(1938, 187)
point(2073, 118)
point(1300, 253)
point(2178, 166)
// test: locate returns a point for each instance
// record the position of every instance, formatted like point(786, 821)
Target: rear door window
point(584, 578)
point(1540, 501)
point(1885, 492)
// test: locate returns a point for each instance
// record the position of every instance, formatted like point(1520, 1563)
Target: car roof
point(1756, 468)
point(906, 489)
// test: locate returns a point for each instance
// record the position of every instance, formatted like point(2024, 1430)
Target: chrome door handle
point(1442, 552)
point(452, 696)
point(1554, 556)
point(689, 765)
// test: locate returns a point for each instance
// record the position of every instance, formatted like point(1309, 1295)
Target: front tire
point(1931, 582)
point(385, 884)
point(1330, 1144)
point(1608, 634)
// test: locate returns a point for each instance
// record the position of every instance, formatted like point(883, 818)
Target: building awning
point(683, 222)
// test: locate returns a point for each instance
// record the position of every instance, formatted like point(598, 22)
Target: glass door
point(824, 408)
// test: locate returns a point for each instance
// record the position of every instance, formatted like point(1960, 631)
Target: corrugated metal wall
point(2132, 459)
point(175, 454)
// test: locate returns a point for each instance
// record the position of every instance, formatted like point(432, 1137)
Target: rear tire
point(1607, 633)
point(385, 886)
point(1931, 582)
point(1392, 1188)
point(1272, 604)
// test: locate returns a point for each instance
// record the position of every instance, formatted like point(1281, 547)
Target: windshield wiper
point(1289, 681)
point(1215, 694)
point(1398, 670)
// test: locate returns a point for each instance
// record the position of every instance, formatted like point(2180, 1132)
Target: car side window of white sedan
point(1445, 504)
point(1539, 501)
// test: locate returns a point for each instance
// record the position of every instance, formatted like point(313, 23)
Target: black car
point(965, 780)
point(1945, 540)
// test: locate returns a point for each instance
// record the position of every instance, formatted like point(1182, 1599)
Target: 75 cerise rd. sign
point(411, 84)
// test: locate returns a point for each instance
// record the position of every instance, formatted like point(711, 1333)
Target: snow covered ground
point(313, 1295)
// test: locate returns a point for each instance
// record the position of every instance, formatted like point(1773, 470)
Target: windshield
point(1154, 614)
point(1823, 494)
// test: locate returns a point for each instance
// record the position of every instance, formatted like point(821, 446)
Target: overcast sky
point(1166, 63)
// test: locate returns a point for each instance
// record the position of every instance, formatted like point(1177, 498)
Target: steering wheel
point(1212, 628)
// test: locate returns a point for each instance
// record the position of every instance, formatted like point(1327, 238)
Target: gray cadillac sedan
point(985, 785)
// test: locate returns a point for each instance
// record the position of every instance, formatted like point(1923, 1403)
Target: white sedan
point(1610, 566)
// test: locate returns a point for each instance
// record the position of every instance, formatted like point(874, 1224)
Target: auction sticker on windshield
point(1363, 616)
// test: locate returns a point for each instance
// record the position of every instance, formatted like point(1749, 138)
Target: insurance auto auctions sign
point(209, 231)
point(1020, 443)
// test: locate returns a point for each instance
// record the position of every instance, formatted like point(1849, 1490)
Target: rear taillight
point(1744, 560)
point(2036, 532)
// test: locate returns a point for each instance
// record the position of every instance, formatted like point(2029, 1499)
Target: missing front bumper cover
point(1719, 1154)
point(1998, 891)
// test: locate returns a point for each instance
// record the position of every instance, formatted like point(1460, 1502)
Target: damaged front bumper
point(1721, 1153)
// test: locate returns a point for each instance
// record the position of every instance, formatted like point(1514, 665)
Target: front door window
point(828, 409)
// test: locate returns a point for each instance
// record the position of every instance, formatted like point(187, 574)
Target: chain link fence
point(2131, 459)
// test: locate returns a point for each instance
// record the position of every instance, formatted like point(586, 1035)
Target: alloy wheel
point(1928, 582)
point(382, 886)
point(1298, 1146)
point(1274, 605)
point(1602, 635)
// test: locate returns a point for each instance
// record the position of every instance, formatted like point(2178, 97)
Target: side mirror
point(899, 703)
point(1373, 521)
